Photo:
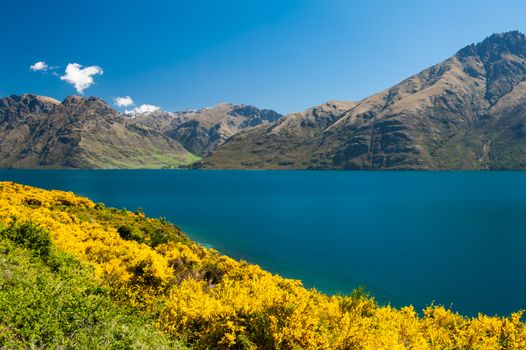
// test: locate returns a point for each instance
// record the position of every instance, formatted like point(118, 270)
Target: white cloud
point(145, 108)
point(125, 101)
point(80, 78)
point(39, 66)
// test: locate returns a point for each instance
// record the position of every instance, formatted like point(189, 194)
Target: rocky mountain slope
point(202, 131)
point(289, 142)
point(40, 132)
point(468, 112)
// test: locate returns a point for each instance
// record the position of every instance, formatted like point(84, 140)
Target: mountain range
point(467, 112)
point(41, 132)
point(203, 131)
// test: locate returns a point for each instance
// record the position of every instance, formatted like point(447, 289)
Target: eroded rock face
point(466, 112)
point(202, 131)
point(40, 132)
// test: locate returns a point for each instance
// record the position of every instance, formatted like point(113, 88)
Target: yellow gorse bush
point(214, 302)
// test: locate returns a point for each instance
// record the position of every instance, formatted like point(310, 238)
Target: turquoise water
point(453, 238)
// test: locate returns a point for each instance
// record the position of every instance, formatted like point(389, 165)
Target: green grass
point(49, 300)
point(106, 155)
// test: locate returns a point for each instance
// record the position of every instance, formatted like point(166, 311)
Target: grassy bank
point(115, 277)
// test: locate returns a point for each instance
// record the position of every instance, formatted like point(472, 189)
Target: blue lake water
point(453, 238)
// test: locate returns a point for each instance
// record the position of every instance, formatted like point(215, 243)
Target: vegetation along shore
point(76, 274)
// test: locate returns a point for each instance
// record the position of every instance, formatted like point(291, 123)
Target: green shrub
point(129, 233)
point(31, 236)
point(45, 309)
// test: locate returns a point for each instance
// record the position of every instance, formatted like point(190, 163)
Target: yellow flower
point(213, 301)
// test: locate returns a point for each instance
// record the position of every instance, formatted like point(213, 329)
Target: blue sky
point(286, 55)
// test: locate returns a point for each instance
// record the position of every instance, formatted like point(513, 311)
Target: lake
point(452, 238)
